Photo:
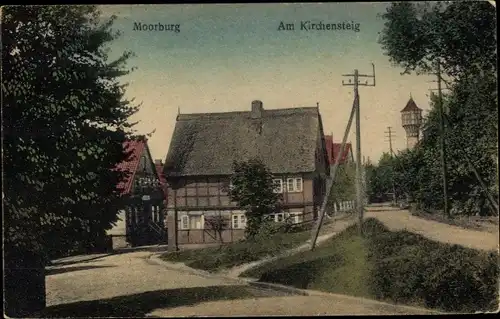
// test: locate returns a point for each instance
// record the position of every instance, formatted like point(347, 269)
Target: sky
point(225, 56)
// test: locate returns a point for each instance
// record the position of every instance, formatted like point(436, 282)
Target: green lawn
point(399, 267)
point(234, 254)
point(339, 266)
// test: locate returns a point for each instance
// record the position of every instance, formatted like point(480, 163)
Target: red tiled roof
point(130, 165)
point(333, 150)
point(410, 106)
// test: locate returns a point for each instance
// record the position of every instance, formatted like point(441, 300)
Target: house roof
point(135, 147)
point(208, 143)
point(410, 106)
point(333, 150)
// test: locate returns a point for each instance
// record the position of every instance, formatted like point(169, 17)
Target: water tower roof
point(411, 106)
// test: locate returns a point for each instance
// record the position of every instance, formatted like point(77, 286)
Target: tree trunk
point(24, 283)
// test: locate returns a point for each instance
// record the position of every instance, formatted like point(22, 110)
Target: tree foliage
point(460, 34)
point(380, 179)
point(253, 189)
point(344, 186)
point(64, 122)
point(218, 224)
point(462, 37)
point(469, 134)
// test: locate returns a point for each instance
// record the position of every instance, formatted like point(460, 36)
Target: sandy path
point(129, 285)
point(327, 231)
point(291, 306)
point(402, 219)
point(116, 275)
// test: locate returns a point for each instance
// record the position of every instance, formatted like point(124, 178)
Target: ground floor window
point(192, 222)
point(280, 217)
point(239, 221)
point(296, 217)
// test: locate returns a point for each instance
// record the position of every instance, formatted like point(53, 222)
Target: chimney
point(158, 162)
point(257, 109)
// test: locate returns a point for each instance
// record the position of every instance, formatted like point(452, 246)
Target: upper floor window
point(278, 185)
point(294, 184)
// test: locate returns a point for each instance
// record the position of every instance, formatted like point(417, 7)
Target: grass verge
point(399, 267)
point(324, 268)
point(234, 254)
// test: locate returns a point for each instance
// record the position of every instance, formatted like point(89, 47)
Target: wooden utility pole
point(391, 152)
point(331, 180)
point(442, 142)
point(389, 138)
point(359, 186)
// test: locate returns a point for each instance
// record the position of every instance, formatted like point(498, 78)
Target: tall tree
point(460, 34)
point(344, 186)
point(64, 122)
point(253, 189)
point(380, 178)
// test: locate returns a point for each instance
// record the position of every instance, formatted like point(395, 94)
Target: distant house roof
point(410, 106)
point(207, 143)
point(333, 150)
point(135, 147)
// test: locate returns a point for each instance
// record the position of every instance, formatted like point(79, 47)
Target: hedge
point(410, 268)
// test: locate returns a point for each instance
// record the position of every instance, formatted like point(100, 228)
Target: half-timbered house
point(142, 221)
point(290, 142)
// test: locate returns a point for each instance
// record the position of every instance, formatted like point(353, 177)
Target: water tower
point(411, 117)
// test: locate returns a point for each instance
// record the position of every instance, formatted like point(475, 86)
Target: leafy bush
point(401, 267)
point(410, 268)
point(266, 243)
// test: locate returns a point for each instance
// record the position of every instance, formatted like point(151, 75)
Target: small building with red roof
point(333, 151)
point(142, 222)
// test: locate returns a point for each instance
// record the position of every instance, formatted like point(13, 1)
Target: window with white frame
point(298, 184)
point(184, 222)
point(278, 185)
point(294, 184)
point(196, 222)
point(192, 222)
point(296, 217)
point(280, 217)
point(239, 221)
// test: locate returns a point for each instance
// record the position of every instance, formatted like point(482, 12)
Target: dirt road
point(290, 306)
point(402, 219)
point(129, 285)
